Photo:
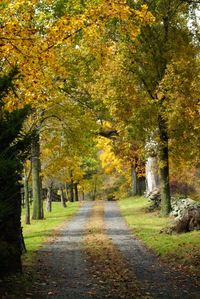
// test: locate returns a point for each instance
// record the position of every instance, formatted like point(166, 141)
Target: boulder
point(155, 199)
point(187, 216)
point(190, 221)
point(181, 206)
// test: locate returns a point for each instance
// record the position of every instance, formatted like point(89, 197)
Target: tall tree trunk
point(94, 191)
point(62, 198)
point(42, 207)
point(134, 180)
point(10, 168)
point(164, 167)
point(76, 191)
point(152, 174)
point(10, 218)
point(71, 186)
point(138, 179)
point(67, 192)
point(49, 199)
point(83, 194)
point(36, 180)
point(141, 185)
point(10, 228)
point(26, 198)
point(23, 246)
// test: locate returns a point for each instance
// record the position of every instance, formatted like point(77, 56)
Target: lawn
point(183, 250)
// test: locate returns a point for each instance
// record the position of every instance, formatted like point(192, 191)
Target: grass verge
point(35, 234)
point(182, 251)
point(108, 268)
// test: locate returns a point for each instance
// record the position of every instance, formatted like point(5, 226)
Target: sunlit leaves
point(32, 35)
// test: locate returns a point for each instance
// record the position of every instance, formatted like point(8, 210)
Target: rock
point(155, 199)
point(181, 206)
point(188, 222)
point(186, 213)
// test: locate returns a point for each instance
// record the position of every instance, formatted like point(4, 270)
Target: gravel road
point(62, 262)
point(63, 269)
point(156, 279)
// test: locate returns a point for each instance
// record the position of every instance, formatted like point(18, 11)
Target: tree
point(152, 73)
point(158, 51)
point(36, 178)
point(49, 197)
point(26, 176)
point(12, 152)
point(34, 41)
point(62, 197)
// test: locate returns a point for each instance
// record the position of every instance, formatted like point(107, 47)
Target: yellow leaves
point(109, 161)
point(145, 15)
point(133, 30)
point(119, 9)
point(11, 103)
point(39, 54)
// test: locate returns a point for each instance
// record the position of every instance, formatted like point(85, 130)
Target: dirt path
point(62, 263)
point(65, 271)
point(156, 279)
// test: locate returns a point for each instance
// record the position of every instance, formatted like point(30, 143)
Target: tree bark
point(10, 218)
point(26, 198)
point(10, 236)
point(134, 180)
point(152, 174)
point(141, 185)
point(76, 191)
point(11, 152)
point(138, 179)
point(62, 197)
point(67, 192)
point(49, 199)
point(36, 180)
point(164, 167)
point(94, 191)
point(71, 186)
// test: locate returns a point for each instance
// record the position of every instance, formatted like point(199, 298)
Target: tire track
point(157, 280)
point(61, 264)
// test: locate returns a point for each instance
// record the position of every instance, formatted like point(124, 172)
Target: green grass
point(182, 249)
point(39, 231)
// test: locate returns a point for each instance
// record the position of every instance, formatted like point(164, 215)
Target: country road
point(63, 267)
